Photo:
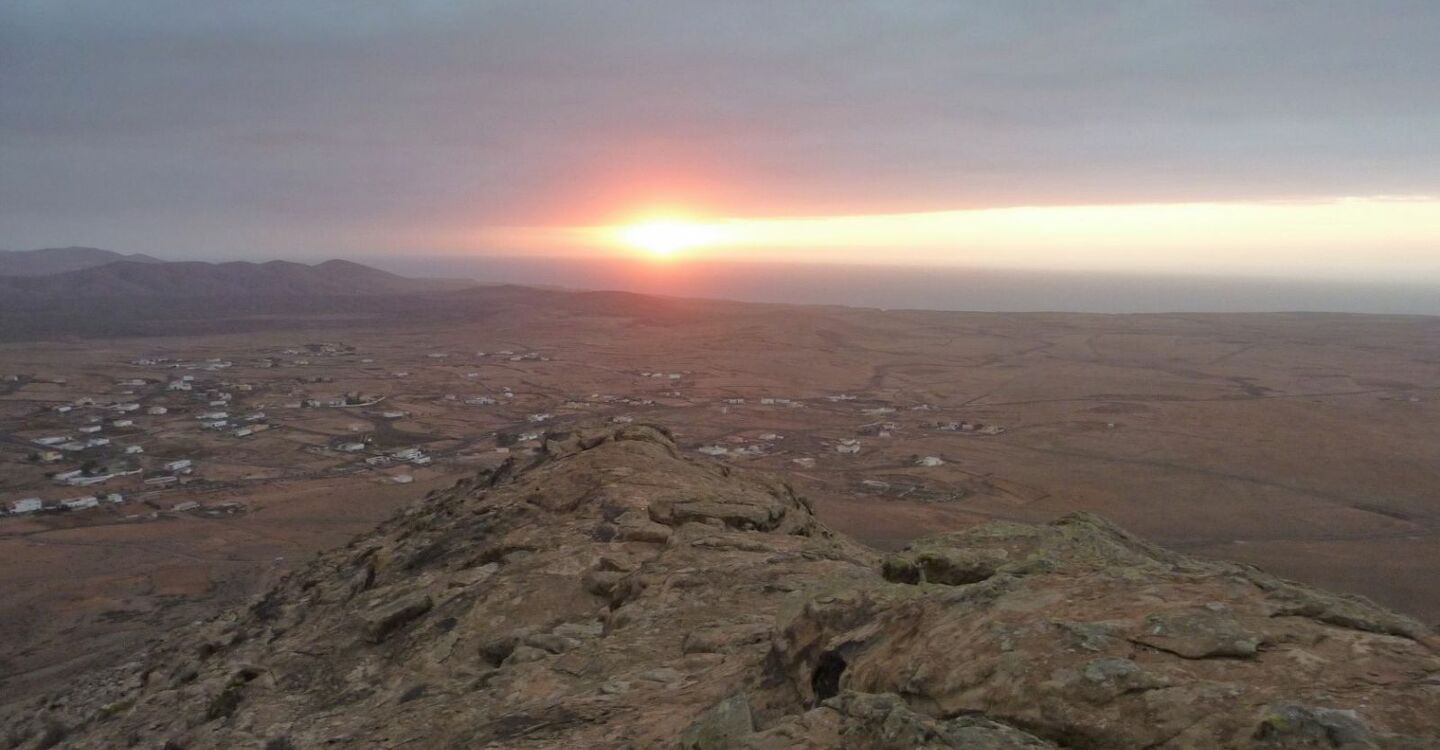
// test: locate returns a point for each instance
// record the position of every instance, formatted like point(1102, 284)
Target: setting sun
point(663, 238)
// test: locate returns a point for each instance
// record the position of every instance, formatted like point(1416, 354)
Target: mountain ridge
point(52, 260)
point(182, 279)
point(614, 594)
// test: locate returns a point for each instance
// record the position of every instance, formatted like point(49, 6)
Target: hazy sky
point(231, 129)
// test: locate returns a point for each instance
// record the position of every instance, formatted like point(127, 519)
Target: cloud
point(328, 126)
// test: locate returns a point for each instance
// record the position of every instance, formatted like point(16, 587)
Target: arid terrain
point(1306, 444)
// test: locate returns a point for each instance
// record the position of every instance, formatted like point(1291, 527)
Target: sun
point(663, 238)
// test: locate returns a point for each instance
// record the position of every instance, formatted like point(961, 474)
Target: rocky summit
point(615, 595)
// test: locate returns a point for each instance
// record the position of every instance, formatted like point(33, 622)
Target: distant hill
point(53, 260)
point(130, 279)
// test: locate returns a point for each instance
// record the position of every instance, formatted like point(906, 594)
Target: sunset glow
point(663, 238)
point(1394, 236)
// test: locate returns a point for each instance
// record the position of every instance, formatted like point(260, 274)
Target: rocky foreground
point(615, 595)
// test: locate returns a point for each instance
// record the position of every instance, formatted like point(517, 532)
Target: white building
point(51, 440)
point(930, 461)
point(91, 429)
point(157, 410)
point(123, 423)
point(80, 503)
point(26, 505)
point(133, 450)
point(115, 498)
point(183, 464)
point(351, 447)
point(402, 479)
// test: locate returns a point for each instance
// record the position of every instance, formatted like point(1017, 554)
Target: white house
point(80, 503)
point(91, 429)
point(65, 476)
point(133, 450)
point(351, 447)
point(929, 461)
point(402, 479)
point(51, 457)
point(127, 407)
point(73, 445)
point(26, 505)
point(157, 410)
point(123, 423)
point(180, 465)
point(51, 440)
point(187, 505)
point(97, 442)
point(115, 498)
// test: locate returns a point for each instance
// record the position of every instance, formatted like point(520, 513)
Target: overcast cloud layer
point(261, 128)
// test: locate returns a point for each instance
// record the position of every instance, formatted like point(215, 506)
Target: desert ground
point(1306, 444)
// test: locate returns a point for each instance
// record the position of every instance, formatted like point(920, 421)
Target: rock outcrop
point(615, 595)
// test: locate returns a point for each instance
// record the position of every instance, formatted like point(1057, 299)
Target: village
point(156, 435)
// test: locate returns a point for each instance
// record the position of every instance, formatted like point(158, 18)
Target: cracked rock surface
point(616, 595)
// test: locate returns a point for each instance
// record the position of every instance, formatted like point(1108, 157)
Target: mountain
point(62, 259)
point(194, 279)
point(613, 594)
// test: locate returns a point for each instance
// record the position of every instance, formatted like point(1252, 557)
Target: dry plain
point(1307, 444)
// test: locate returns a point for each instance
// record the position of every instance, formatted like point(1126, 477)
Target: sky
point(1271, 139)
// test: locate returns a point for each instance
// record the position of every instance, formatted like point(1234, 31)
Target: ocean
point(907, 287)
